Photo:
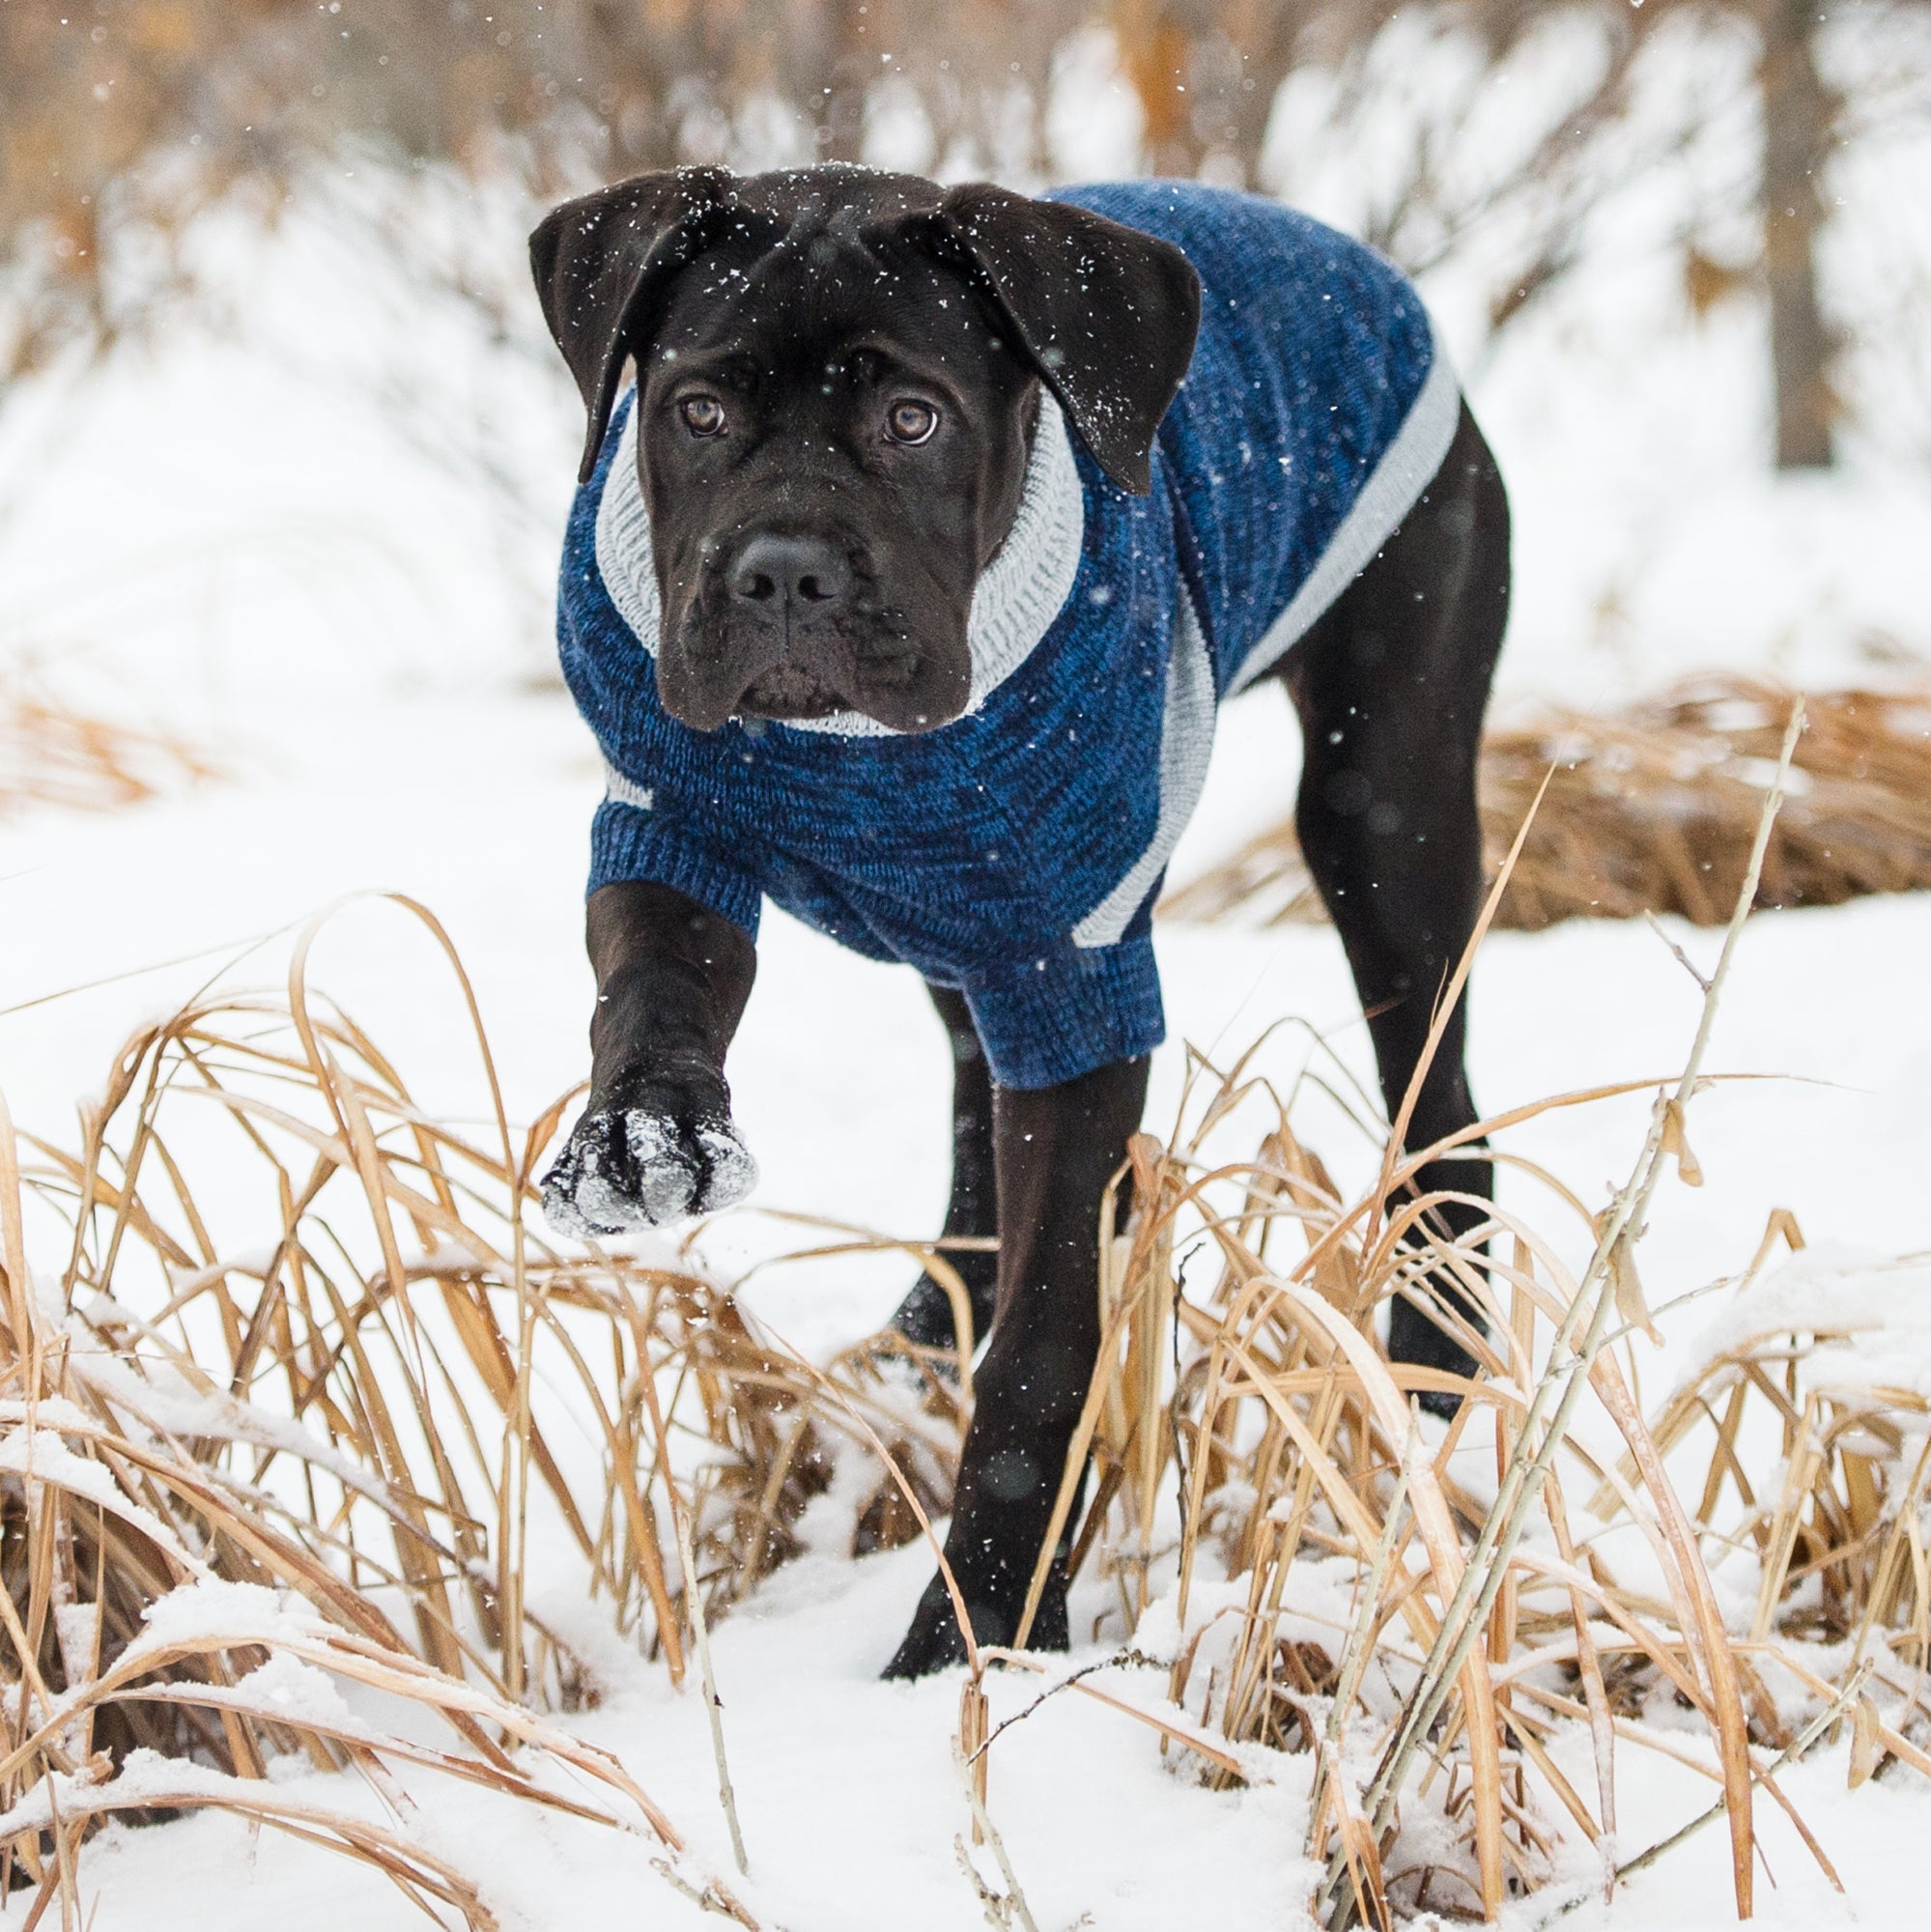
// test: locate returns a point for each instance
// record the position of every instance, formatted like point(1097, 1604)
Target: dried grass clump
point(51, 753)
point(1424, 1628)
point(1838, 1523)
point(1356, 1544)
point(324, 1453)
point(1652, 810)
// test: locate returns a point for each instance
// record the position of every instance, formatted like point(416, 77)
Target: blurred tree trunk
point(1264, 31)
point(840, 72)
point(1797, 113)
point(1156, 46)
point(1207, 75)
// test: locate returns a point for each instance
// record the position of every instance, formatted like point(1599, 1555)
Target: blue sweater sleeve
point(628, 843)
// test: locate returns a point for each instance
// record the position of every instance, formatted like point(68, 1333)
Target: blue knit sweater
point(1016, 852)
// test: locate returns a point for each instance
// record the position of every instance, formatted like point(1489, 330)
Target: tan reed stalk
point(1360, 1647)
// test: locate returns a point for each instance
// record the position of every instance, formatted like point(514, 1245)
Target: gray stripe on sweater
point(1186, 744)
point(1407, 467)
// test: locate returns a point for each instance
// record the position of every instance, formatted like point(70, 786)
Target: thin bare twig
point(1015, 1897)
point(714, 1709)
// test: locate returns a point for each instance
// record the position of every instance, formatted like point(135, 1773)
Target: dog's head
point(837, 376)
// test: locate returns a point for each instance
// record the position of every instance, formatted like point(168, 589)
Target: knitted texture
point(1016, 852)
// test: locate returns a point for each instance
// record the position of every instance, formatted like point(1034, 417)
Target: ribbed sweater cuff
point(628, 843)
point(1052, 1019)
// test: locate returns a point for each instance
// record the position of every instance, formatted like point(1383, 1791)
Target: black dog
point(850, 398)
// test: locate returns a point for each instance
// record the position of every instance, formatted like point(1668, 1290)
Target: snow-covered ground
point(213, 543)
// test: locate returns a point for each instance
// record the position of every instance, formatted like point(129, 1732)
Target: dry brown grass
point(1837, 1520)
point(360, 1420)
point(51, 753)
point(1422, 1634)
point(1352, 1538)
point(365, 1421)
point(1652, 810)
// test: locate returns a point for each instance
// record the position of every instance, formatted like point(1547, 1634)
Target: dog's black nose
point(790, 570)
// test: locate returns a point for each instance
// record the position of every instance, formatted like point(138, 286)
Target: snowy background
point(308, 530)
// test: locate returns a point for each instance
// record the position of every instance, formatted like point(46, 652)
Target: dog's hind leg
point(1390, 686)
point(926, 1314)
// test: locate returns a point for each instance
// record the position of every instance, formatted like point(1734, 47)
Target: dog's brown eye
point(703, 415)
point(911, 423)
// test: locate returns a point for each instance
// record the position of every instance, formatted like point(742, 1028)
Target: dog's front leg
point(1054, 1151)
point(656, 1141)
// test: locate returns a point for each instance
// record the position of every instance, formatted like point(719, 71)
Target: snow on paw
point(729, 1171)
point(640, 1168)
point(560, 1209)
point(586, 1192)
point(668, 1167)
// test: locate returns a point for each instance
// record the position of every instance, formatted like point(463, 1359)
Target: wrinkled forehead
point(795, 294)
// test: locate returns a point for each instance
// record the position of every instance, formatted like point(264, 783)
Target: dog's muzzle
point(789, 627)
point(792, 594)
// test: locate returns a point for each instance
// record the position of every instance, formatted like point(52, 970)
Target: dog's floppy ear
point(602, 263)
point(1106, 313)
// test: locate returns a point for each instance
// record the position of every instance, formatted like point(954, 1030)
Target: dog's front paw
point(637, 1167)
